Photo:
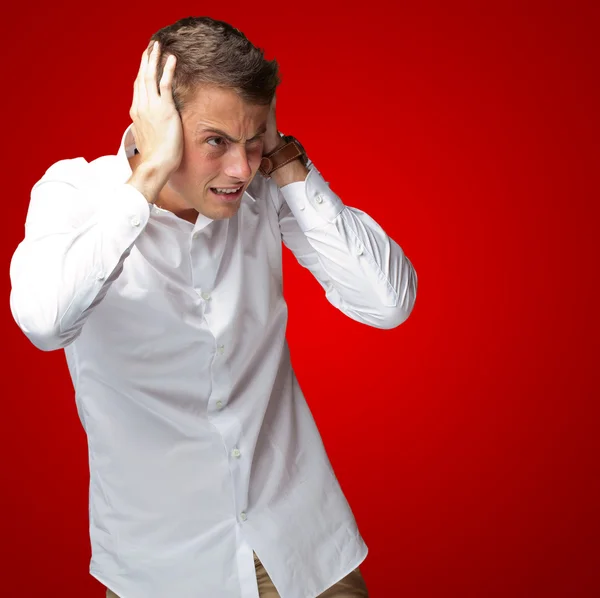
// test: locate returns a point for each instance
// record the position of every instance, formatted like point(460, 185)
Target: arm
point(364, 272)
point(74, 248)
point(77, 237)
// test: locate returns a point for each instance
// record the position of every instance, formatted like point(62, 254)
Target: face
point(223, 144)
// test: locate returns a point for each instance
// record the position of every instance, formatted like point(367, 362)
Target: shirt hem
point(358, 562)
point(100, 578)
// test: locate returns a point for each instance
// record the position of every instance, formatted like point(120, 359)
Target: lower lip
point(228, 197)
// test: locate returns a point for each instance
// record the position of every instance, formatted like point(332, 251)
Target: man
point(158, 270)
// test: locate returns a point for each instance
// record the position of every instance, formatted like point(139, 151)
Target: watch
point(292, 150)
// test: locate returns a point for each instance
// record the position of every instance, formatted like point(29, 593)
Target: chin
point(220, 212)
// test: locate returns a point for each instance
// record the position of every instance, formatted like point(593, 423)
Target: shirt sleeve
point(364, 272)
point(76, 240)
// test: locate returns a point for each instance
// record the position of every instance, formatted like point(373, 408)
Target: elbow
point(384, 317)
point(392, 316)
point(389, 309)
point(47, 342)
point(41, 330)
point(45, 338)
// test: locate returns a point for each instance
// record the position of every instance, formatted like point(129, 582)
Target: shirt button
point(236, 453)
point(219, 404)
point(206, 296)
point(221, 349)
point(243, 516)
point(135, 221)
point(319, 198)
point(100, 276)
point(360, 250)
point(302, 206)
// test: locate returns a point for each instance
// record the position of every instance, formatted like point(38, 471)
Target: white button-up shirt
point(202, 448)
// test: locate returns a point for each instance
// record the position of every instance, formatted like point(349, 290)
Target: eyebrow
point(220, 133)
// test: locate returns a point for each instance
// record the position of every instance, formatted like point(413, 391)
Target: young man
point(158, 270)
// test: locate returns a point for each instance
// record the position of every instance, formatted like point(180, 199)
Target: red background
point(466, 439)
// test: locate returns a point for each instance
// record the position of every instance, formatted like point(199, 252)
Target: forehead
point(222, 108)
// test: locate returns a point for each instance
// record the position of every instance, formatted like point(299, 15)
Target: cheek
point(194, 167)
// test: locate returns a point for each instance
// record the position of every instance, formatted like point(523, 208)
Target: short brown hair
point(214, 52)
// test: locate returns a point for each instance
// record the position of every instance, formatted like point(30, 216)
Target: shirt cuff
point(312, 202)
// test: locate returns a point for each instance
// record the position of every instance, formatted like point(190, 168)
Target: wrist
point(293, 172)
point(289, 158)
point(273, 144)
point(149, 180)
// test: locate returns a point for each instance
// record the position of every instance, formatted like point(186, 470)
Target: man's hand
point(272, 138)
point(290, 173)
point(157, 126)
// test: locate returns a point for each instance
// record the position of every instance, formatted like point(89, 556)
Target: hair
point(215, 53)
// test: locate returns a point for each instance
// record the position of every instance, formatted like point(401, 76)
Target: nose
point(237, 165)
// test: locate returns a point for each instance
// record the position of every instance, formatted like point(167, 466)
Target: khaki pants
point(352, 586)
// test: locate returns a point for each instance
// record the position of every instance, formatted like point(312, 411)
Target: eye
point(215, 141)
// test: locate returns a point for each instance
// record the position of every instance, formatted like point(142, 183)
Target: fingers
point(166, 81)
point(150, 74)
point(140, 97)
point(142, 86)
point(145, 89)
point(136, 86)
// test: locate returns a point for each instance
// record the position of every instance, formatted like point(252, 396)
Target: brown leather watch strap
point(292, 150)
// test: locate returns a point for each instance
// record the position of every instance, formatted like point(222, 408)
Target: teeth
point(227, 190)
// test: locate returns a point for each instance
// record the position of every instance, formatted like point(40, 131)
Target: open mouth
point(227, 193)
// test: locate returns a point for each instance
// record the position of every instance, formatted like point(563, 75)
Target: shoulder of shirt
point(79, 173)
